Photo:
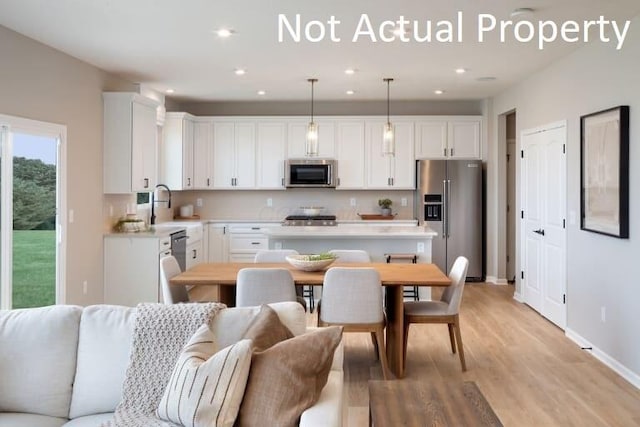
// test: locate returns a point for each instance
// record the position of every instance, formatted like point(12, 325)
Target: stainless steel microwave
point(310, 173)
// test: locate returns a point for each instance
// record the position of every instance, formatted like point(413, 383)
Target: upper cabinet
point(351, 158)
point(271, 141)
point(448, 138)
point(395, 172)
point(203, 155)
point(297, 137)
point(177, 152)
point(234, 153)
point(129, 143)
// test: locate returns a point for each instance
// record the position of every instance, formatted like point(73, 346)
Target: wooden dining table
point(392, 276)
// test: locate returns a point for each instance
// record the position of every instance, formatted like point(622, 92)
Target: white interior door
point(543, 193)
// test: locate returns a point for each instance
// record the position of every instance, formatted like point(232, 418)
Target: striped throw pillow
point(206, 389)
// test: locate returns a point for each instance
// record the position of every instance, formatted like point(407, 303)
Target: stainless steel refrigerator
point(449, 199)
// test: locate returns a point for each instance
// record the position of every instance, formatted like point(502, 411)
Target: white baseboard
point(609, 361)
point(518, 297)
point(494, 280)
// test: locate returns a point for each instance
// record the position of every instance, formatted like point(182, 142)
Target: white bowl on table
point(307, 263)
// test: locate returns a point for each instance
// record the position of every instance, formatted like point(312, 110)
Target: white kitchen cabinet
point(448, 138)
point(351, 155)
point(195, 254)
point(464, 138)
point(395, 172)
point(245, 240)
point(217, 243)
point(129, 143)
point(177, 152)
point(132, 268)
point(271, 145)
point(234, 145)
point(297, 137)
point(203, 155)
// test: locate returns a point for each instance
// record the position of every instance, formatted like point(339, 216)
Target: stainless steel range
point(305, 220)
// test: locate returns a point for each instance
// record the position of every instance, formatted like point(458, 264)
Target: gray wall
point(600, 270)
point(41, 83)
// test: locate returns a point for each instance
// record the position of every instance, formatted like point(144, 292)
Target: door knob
point(539, 231)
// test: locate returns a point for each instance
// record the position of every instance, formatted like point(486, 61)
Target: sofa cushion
point(12, 419)
point(38, 349)
point(103, 356)
point(229, 326)
point(89, 420)
point(205, 388)
point(266, 329)
point(327, 411)
point(288, 378)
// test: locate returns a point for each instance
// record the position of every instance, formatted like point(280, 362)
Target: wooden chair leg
point(459, 340)
point(382, 353)
point(451, 338)
point(405, 340)
point(374, 340)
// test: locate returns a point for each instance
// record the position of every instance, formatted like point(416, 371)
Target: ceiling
point(172, 44)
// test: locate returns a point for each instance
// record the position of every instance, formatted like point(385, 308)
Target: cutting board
point(376, 216)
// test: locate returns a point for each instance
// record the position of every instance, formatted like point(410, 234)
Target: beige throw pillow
point(206, 389)
point(288, 378)
point(266, 329)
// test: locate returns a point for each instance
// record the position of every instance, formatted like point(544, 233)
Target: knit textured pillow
point(206, 389)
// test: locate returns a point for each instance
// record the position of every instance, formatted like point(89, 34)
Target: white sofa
point(65, 365)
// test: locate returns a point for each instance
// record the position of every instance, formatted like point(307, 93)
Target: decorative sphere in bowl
point(311, 262)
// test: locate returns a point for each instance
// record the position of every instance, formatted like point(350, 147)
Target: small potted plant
point(385, 204)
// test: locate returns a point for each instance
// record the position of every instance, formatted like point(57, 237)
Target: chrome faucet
point(153, 202)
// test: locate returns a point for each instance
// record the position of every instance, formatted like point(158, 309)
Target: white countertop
point(153, 232)
point(349, 231)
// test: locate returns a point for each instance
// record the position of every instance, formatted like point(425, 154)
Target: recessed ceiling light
point(461, 70)
point(350, 71)
point(262, 93)
point(240, 71)
point(224, 33)
point(486, 79)
point(350, 92)
point(169, 91)
point(438, 91)
point(521, 11)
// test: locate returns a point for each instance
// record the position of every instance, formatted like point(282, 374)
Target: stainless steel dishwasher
point(179, 248)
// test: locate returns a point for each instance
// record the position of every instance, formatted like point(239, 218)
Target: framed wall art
point(604, 172)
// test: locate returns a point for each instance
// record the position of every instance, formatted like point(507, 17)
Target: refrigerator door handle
point(445, 210)
point(448, 203)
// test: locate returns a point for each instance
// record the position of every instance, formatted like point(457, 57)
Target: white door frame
point(9, 124)
point(520, 232)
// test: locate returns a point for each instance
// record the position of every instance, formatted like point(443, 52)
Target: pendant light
point(311, 148)
point(388, 140)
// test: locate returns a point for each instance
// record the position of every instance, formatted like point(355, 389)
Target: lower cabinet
point(132, 269)
point(245, 240)
point(217, 243)
point(195, 254)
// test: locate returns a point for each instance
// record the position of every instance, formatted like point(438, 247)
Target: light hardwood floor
point(529, 372)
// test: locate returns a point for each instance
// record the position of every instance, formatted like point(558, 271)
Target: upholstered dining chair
point(280, 255)
point(444, 311)
point(171, 294)
point(257, 286)
point(351, 298)
point(351, 255)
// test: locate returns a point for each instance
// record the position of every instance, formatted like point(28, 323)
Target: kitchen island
point(376, 240)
